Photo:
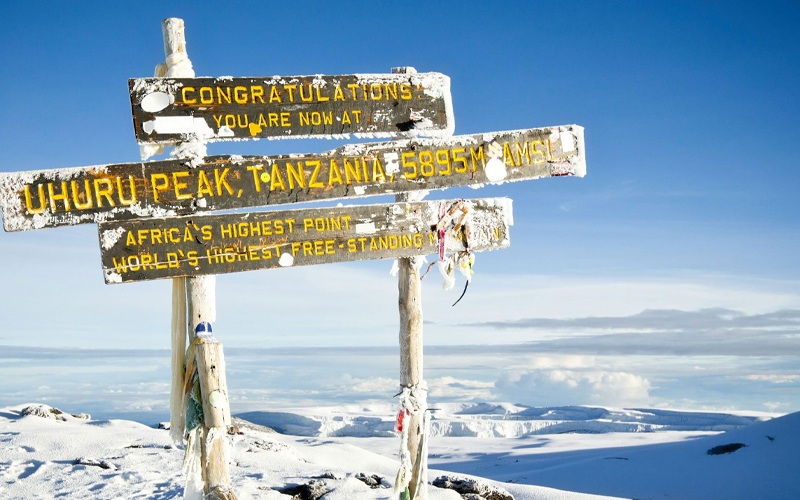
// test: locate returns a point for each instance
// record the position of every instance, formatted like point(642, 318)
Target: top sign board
point(216, 109)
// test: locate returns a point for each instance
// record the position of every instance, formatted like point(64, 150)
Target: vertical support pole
point(410, 307)
point(201, 312)
point(201, 293)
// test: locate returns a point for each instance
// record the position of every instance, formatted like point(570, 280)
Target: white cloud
point(558, 387)
point(774, 378)
point(375, 385)
point(453, 389)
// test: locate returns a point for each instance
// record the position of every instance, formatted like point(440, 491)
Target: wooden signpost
point(151, 224)
point(218, 109)
point(146, 249)
point(51, 198)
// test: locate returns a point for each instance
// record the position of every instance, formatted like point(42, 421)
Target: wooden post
point(410, 306)
point(201, 308)
point(201, 292)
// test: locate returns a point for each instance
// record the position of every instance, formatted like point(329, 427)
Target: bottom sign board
point(146, 249)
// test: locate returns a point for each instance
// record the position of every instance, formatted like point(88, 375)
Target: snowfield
point(566, 453)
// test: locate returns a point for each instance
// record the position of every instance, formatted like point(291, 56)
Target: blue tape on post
point(203, 330)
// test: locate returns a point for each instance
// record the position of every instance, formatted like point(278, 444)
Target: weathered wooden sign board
point(146, 249)
point(50, 198)
point(226, 108)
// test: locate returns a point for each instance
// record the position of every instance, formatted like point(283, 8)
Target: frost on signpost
point(411, 481)
point(212, 244)
point(206, 458)
point(167, 188)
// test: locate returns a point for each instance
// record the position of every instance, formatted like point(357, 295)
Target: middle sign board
point(50, 198)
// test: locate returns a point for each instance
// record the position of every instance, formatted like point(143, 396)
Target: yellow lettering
point(276, 179)
point(106, 192)
point(132, 199)
point(220, 181)
point(87, 195)
point(334, 175)
point(443, 158)
point(477, 155)
point(537, 161)
point(459, 159)
point(239, 95)
point(391, 91)
point(522, 150)
point(222, 95)
point(291, 89)
point(185, 99)
point(203, 184)
point(256, 169)
point(377, 171)
point(338, 95)
point(413, 174)
point(313, 183)
point(349, 169)
point(28, 203)
point(309, 97)
point(507, 156)
point(257, 92)
point(180, 185)
point(64, 196)
point(274, 96)
point(206, 95)
point(426, 160)
point(299, 175)
point(154, 178)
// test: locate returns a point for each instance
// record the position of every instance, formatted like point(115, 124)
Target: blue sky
point(689, 208)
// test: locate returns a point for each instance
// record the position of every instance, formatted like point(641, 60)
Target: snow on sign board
point(50, 198)
point(227, 108)
point(146, 249)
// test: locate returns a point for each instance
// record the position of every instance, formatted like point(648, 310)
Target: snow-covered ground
point(533, 453)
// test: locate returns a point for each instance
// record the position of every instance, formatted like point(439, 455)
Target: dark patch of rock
point(725, 448)
point(373, 481)
point(94, 463)
point(472, 489)
point(312, 490)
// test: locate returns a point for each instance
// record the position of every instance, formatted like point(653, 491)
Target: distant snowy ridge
point(486, 420)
